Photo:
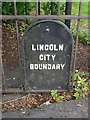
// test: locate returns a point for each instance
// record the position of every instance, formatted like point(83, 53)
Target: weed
point(83, 36)
point(56, 97)
point(81, 84)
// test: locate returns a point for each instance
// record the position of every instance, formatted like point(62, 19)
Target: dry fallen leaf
point(79, 105)
point(47, 103)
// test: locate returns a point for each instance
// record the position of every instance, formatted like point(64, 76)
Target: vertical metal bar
point(88, 35)
point(77, 33)
point(15, 9)
point(58, 7)
point(2, 74)
point(1, 64)
point(17, 37)
point(51, 8)
point(25, 8)
point(68, 11)
point(36, 7)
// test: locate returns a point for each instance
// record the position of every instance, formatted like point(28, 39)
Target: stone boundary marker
point(47, 55)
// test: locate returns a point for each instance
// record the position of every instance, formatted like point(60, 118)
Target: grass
point(84, 11)
point(75, 8)
point(83, 29)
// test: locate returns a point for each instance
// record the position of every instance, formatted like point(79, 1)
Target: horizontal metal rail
point(22, 17)
point(14, 90)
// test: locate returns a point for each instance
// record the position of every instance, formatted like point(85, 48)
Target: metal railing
point(66, 17)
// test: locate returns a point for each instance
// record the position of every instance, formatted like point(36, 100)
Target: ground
point(70, 109)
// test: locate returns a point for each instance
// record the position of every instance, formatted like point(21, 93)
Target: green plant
point(83, 36)
point(81, 84)
point(47, 6)
point(81, 74)
point(7, 8)
point(56, 97)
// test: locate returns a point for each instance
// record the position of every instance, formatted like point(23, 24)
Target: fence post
point(37, 7)
point(68, 12)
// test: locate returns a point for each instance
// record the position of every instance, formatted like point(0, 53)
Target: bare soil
point(82, 63)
